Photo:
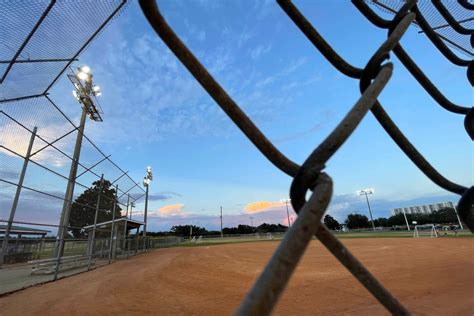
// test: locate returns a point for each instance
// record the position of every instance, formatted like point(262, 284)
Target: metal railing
point(310, 175)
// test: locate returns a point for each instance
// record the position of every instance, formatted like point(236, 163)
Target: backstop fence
point(46, 232)
point(310, 175)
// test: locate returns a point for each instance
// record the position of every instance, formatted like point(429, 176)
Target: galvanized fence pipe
point(112, 229)
point(17, 197)
point(92, 240)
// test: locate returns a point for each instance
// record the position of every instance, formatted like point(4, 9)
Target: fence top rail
point(63, 259)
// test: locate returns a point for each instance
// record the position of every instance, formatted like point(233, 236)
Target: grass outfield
point(377, 234)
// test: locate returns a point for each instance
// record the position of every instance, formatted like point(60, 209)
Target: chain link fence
point(45, 232)
point(373, 77)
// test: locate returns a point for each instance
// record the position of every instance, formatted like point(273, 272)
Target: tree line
point(83, 213)
point(187, 230)
point(354, 221)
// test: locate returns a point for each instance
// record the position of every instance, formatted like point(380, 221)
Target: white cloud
point(258, 51)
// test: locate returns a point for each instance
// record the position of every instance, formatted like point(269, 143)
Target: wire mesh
point(310, 176)
point(457, 41)
point(41, 38)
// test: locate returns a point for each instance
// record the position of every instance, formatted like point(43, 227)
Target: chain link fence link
point(310, 175)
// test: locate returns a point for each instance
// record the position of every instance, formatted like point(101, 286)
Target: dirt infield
point(430, 276)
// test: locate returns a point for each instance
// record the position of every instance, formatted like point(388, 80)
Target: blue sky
point(156, 114)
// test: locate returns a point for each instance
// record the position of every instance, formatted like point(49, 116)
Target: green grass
point(385, 234)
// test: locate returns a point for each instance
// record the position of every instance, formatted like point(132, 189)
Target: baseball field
point(431, 276)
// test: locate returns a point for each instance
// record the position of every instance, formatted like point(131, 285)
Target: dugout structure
point(373, 77)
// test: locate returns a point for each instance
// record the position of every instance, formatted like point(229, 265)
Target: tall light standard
point(146, 183)
point(251, 221)
point(85, 93)
point(366, 192)
point(222, 232)
point(287, 211)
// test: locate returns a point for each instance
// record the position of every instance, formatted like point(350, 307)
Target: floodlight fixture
point(85, 69)
point(414, 222)
point(82, 75)
point(366, 191)
point(86, 91)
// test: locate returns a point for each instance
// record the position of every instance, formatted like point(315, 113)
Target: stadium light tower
point(85, 93)
point(366, 192)
point(146, 183)
point(287, 211)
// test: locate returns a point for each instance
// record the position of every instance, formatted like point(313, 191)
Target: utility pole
point(222, 232)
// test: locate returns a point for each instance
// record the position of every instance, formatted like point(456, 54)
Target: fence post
point(459, 220)
point(17, 197)
point(136, 241)
point(145, 218)
point(102, 248)
point(91, 249)
point(126, 222)
point(128, 248)
point(112, 232)
point(41, 247)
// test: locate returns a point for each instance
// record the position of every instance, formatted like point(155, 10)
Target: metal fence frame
point(310, 176)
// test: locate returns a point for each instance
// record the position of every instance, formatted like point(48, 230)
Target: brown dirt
point(430, 276)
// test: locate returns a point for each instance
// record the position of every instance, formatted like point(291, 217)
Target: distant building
point(422, 209)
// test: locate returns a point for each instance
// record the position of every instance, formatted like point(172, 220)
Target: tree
point(185, 230)
point(271, 228)
point(398, 220)
point(444, 216)
point(83, 208)
point(357, 221)
point(381, 222)
point(331, 222)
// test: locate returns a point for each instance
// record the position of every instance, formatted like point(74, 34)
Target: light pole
point(132, 205)
point(406, 220)
point(222, 232)
point(457, 215)
point(287, 211)
point(366, 192)
point(85, 92)
point(146, 183)
point(251, 221)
